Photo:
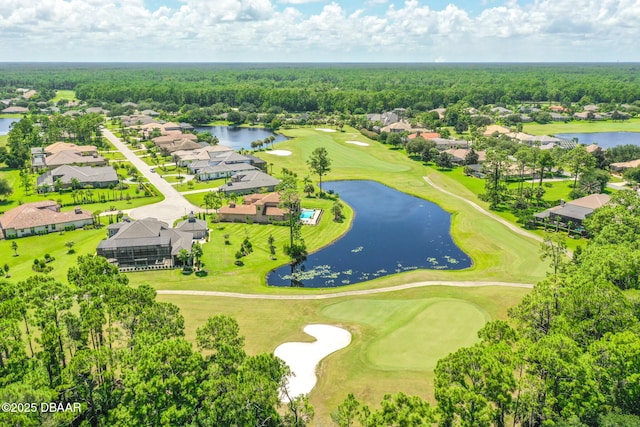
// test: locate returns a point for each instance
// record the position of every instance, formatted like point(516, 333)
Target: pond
point(604, 139)
point(5, 123)
point(392, 232)
point(239, 137)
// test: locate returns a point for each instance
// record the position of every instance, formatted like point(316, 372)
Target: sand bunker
point(362, 144)
point(303, 357)
point(279, 152)
point(325, 130)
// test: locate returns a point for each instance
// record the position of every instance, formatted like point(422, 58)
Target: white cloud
point(250, 30)
point(300, 1)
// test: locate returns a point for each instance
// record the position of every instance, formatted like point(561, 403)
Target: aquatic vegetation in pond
point(400, 233)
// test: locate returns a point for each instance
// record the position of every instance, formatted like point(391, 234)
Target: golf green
point(411, 335)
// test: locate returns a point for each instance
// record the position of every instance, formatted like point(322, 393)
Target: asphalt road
point(174, 204)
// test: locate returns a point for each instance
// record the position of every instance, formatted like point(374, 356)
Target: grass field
point(412, 334)
point(30, 248)
point(582, 126)
point(69, 95)
point(429, 315)
point(111, 197)
point(370, 319)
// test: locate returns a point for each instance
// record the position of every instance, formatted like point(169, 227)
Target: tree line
point(569, 354)
point(356, 88)
point(122, 355)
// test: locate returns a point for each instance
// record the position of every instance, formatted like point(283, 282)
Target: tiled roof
point(38, 214)
point(592, 201)
point(70, 157)
point(84, 174)
point(59, 146)
point(238, 209)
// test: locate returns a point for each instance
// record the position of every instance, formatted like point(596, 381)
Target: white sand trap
point(279, 152)
point(326, 130)
point(362, 144)
point(303, 357)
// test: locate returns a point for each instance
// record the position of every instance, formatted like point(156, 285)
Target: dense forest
point(354, 88)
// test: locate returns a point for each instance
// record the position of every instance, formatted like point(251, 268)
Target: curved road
point(174, 204)
point(462, 284)
point(479, 208)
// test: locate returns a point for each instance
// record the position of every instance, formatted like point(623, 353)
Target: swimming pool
point(306, 214)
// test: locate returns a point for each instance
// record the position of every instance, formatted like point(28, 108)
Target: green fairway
point(412, 335)
point(583, 126)
point(497, 253)
point(268, 323)
point(69, 95)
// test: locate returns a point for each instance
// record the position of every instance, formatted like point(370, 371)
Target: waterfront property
point(143, 244)
point(392, 232)
point(249, 182)
point(258, 208)
point(574, 212)
point(41, 218)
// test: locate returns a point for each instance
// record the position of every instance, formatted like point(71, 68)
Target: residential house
point(575, 211)
point(72, 157)
point(557, 109)
point(185, 157)
point(440, 111)
point(492, 129)
point(445, 143)
point(622, 166)
point(425, 135)
point(593, 148)
point(38, 157)
point(458, 155)
point(221, 165)
point(15, 110)
point(556, 117)
point(258, 208)
point(57, 147)
point(385, 119)
point(397, 127)
point(197, 227)
point(143, 244)
point(249, 182)
point(85, 176)
point(501, 111)
point(42, 217)
point(588, 115)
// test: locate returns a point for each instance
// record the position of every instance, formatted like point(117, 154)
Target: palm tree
point(183, 256)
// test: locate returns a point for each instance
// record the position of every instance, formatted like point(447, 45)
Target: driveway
point(174, 204)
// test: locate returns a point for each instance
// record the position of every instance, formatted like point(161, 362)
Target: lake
point(604, 139)
point(5, 123)
point(239, 137)
point(392, 232)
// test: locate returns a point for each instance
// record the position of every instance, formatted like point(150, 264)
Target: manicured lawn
point(582, 126)
point(69, 95)
point(219, 257)
point(114, 197)
point(30, 248)
point(497, 253)
point(3, 140)
point(409, 333)
point(200, 185)
point(371, 319)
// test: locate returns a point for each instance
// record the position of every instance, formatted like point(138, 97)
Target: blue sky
point(320, 30)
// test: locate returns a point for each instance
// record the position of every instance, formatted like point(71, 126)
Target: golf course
point(398, 336)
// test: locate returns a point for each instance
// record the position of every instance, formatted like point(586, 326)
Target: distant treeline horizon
point(333, 87)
